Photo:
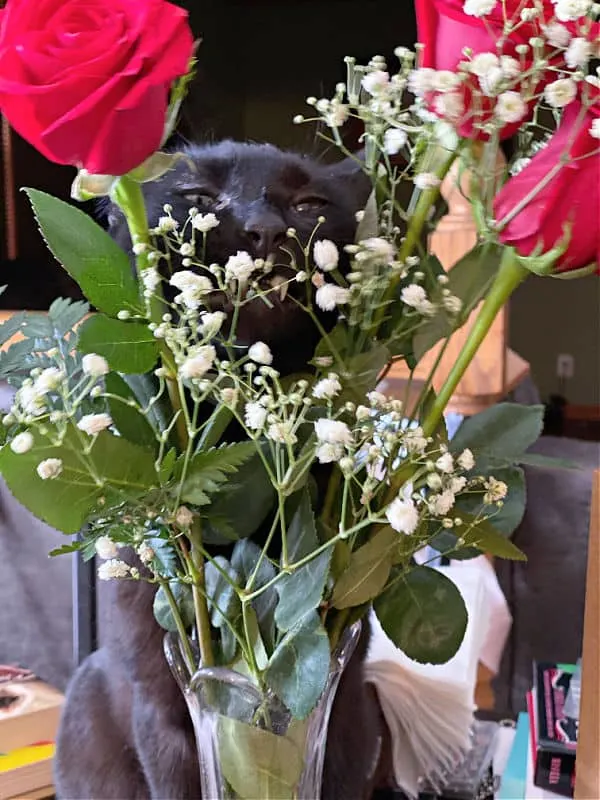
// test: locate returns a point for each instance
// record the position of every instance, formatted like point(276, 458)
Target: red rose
point(86, 82)
point(445, 29)
point(571, 197)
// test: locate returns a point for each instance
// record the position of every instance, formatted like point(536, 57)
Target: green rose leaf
point(508, 517)
point(483, 535)
point(258, 763)
point(244, 560)
point(182, 594)
point(361, 372)
point(501, 433)
point(87, 252)
point(127, 346)
point(223, 602)
point(301, 591)
point(128, 420)
point(424, 614)
point(368, 571)
point(209, 470)
point(66, 501)
point(299, 667)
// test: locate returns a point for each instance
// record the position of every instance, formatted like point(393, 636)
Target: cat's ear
point(351, 172)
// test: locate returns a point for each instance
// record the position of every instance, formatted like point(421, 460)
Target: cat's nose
point(265, 239)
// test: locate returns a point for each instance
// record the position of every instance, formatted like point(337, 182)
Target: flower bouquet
point(271, 511)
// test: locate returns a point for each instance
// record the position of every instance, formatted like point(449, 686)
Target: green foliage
point(424, 614)
point(239, 512)
point(123, 468)
point(483, 535)
point(299, 667)
point(209, 470)
point(258, 763)
point(41, 332)
point(367, 572)
point(244, 560)
point(163, 614)
point(223, 602)
point(301, 591)
point(87, 253)
point(129, 420)
point(127, 346)
point(500, 435)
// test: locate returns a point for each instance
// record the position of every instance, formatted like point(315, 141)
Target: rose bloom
point(570, 198)
point(87, 82)
point(444, 28)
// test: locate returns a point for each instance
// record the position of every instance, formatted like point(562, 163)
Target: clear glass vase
point(249, 746)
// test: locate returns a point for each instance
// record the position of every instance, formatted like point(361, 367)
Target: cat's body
point(126, 731)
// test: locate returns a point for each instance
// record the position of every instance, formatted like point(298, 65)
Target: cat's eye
point(311, 204)
point(200, 199)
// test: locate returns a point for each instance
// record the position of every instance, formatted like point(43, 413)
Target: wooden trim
point(587, 784)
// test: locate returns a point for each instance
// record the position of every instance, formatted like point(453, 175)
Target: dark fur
point(125, 731)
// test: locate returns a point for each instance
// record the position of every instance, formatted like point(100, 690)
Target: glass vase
point(249, 746)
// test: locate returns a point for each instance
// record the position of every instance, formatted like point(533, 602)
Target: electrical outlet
point(565, 365)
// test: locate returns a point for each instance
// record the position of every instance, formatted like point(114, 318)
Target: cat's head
point(258, 192)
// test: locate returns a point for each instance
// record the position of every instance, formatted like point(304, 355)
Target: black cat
point(125, 731)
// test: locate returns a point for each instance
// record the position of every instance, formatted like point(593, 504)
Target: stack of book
point(29, 716)
point(541, 763)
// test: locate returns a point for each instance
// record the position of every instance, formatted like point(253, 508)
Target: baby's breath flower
point(329, 296)
point(22, 443)
point(452, 304)
point(106, 548)
point(362, 412)
point(260, 353)
point(557, 35)
point(94, 365)
point(414, 440)
point(376, 249)
point(403, 515)
point(434, 481)
point(239, 267)
point(394, 139)
point(415, 297)
point(49, 380)
point(31, 400)
point(495, 490)
point(167, 224)
point(560, 93)
point(571, 10)
point(578, 52)
point(113, 568)
point(482, 63)
point(440, 504)
point(150, 279)
point(211, 322)
point(478, 8)
point(327, 452)
point(326, 255)
point(282, 433)
point(94, 423)
point(375, 81)
point(255, 416)
point(510, 66)
point(445, 463)
point(301, 276)
point(146, 553)
point(184, 517)
point(323, 361)
point(229, 396)
point(450, 107)
point(198, 362)
point(327, 388)
point(510, 107)
point(204, 222)
point(595, 128)
point(456, 485)
point(466, 460)
point(49, 468)
point(333, 431)
point(420, 81)
point(445, 80)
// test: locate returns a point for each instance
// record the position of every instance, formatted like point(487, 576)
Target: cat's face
point(258, 192)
